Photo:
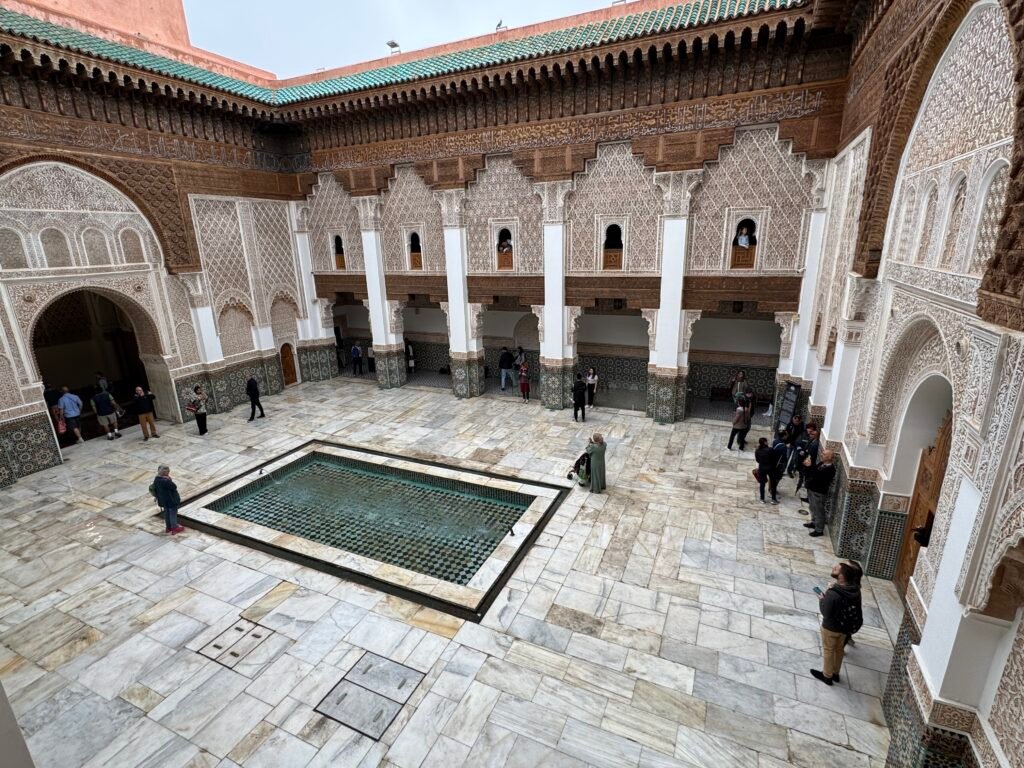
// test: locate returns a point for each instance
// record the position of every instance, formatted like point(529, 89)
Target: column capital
point(369, 212)
point(396, 323)
point(651, 316)
point(538, 310)
point(572, 318)
point(690, 317)
point(195, 286)
point(677, 188)
point(786, 321)
point(552, 198)
point(451, 202)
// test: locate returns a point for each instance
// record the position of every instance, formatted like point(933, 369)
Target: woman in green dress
point(596, 448)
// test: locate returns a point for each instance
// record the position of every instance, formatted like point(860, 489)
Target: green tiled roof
point(684, 15)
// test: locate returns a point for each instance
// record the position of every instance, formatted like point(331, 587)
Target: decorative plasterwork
point(452, 202)
point(786, 321)
point(651, 316)
point(757, 173)
point(677, 188)
point(475, 320)
point(502, 197)
point(552, 198)
point(196, 287)
point(331, 211)
point(409, 206)
point(396, 322)
point(538, 310)
point(368, 207)
point(572, 318)
point(690, 317)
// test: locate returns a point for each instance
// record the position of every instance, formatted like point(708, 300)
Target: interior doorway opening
point(83, 340)
point(288, 370)
point(919, 468)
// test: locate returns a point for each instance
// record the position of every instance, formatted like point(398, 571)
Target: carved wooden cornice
point(772, 293)
point(557, 163)
point(638, 292)
point(527, 290)
point(449, 172)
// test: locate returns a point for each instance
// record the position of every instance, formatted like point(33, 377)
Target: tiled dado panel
point(468, 377)
point(226, 387)
point(885, 544)
point(556, 385)
point(852, 516)
point(27, 445)
point(615, 372)
point(666, 398)
point(318, 363)
point(913, 743)
point(430, 356)
point(702, 377)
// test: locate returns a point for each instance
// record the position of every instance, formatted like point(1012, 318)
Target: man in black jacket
point(841, 616)
point(252, 389)
point(819, 480)
point(505, 363)
point(579, 398)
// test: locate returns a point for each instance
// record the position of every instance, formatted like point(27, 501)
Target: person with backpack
point(106, 408)
point(506, 364)
point(165, 492)
point(579, 398)
point(769, 471)
point(841, 617)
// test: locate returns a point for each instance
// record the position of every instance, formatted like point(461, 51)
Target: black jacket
point(166, 492)
point(765, 459)
point(143, 403)
point(579, 393)
point(506, 361)
point(831, 605)
point(252, 388)
point(820, 477)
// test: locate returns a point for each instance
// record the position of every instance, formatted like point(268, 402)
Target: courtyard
point(668, 622)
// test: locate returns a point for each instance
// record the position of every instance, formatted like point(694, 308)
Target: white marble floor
point(668, 622)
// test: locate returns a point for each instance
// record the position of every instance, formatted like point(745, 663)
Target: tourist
point(371, 360)
point(591, 385)
point(410, 357)
point(520, 360)
point(105, 408)
point(743, 238)
point(524, 382)
point(70, 406)
point(252, 389)
point(357, 359)
point(197, 407)
point(596, 450)
point(740, 424)
point(506, 364)
point(796, 434)
point(51, 396)
point(143, 404)
point(167, 498)
point(505, 246)
point(737, 385)
point(810, 448)
point(819, 479)
point(767, 469)
point(102, 384)
point(579, 398)
point(841, 617)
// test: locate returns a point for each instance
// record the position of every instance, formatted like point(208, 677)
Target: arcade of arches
point(823, 195)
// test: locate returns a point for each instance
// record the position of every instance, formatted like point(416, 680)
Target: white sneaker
point(80, 441)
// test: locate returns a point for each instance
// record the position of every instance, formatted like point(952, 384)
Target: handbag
point(756, 474)
point(62, 426)
point(192, 407)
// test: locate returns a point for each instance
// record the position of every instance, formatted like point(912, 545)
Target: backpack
point(850, 618)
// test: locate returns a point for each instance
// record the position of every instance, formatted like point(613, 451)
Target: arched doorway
point(288, 365)
point(919, 468)
point(86, 333)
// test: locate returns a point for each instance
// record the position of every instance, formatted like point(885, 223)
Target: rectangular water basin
point(438, 534)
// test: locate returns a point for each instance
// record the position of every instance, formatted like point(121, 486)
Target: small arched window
point(97, 250)
point(927, 225)
point(415, 251)
point(12, 250)
point(339, 253)
point(744, 245)
point(131, 247)
point(505, 251)
point(988, 223)
point(55, 248)
point(613, 247)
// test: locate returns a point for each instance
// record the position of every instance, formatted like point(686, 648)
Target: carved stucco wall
point(408, 205)
point(332, 212)
point(248, 252)
point(615, 185)
point(756, 173)
point(1007, 714)
point(502, 194)
point(844, 197)
point(235, 324)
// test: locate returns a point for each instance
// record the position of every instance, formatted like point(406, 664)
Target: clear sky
point(296, 37)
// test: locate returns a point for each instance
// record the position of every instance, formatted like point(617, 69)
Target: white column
point(801, 358)
point(381, 311)
point(844, 372)
point(461, 336)
point(673, 260)
point(202, 317)
point(311, 326)
point(555, 345)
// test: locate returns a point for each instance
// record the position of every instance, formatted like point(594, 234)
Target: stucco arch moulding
point(102, 176)
point(887, 163)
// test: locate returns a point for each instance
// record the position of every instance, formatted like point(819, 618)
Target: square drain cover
point(386, 677)
point(360, 709)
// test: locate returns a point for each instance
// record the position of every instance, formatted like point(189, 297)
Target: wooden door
point(288, 365)
point(930, 474)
